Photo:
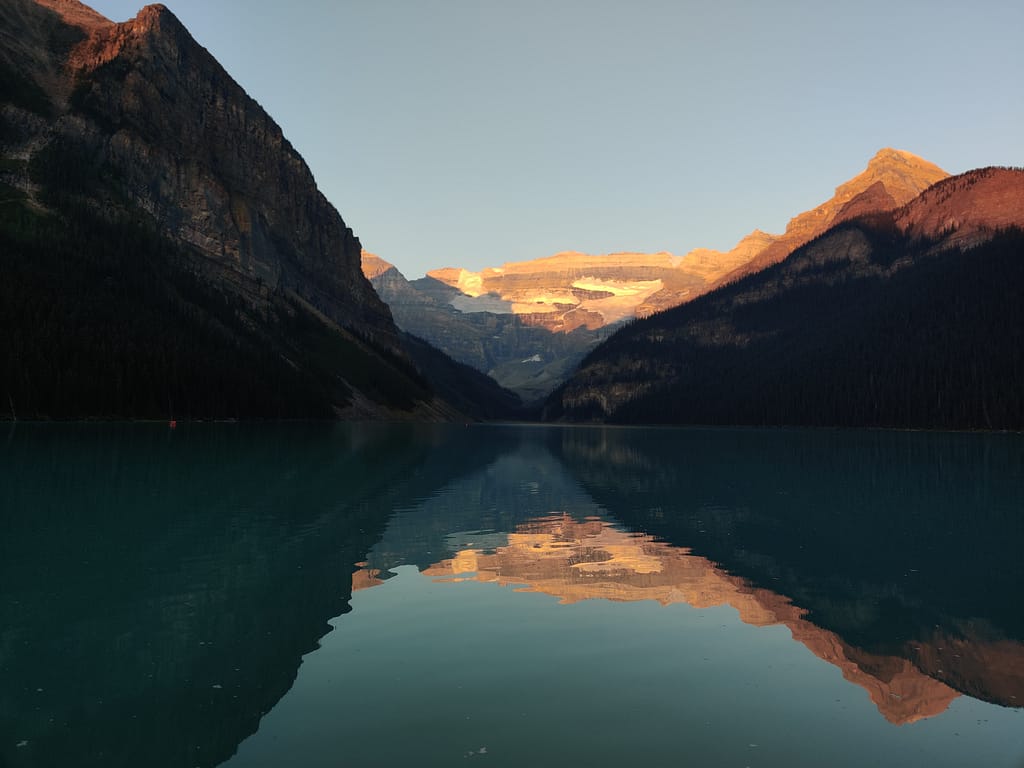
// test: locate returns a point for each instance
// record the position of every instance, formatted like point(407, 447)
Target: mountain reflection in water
point(159, 588)
point(588, 559)
point(164, 597)
point(903, 512)
point(906, 545)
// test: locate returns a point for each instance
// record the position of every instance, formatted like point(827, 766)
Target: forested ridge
point(862, 327)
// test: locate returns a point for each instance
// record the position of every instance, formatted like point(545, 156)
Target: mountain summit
point(892, 178)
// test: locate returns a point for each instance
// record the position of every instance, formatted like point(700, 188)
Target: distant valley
point(522, 356)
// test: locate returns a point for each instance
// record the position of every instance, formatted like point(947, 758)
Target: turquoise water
point(328, 595)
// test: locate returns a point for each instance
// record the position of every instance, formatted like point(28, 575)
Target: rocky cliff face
point(135, 122)
point(214, 170)
point(893, 177)
point(191, 149)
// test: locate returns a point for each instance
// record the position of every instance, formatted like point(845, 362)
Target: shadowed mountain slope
point(165, 250)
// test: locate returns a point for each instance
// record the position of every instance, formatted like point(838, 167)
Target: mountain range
point(579, 299)
point(166, 253)
point(570, 289)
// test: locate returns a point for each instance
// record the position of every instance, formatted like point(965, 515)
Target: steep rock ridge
point(193, 150)
point(31, 32)
point(77, 14)
point(391, 284)
point(374, 266)
point(893, 177)
point(216, 171)
point(908, 318)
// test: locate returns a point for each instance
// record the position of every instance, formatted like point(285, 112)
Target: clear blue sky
point(473, 132)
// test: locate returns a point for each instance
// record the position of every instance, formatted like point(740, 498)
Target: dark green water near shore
point(327, 595)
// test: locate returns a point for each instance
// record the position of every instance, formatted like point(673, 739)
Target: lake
point(334, 594)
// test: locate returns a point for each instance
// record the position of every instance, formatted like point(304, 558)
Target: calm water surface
point(333, 595)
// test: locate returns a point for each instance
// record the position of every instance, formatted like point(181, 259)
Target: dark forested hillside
point(862, 327)
point(99, 319)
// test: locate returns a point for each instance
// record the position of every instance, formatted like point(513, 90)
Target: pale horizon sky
point(474, 132)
